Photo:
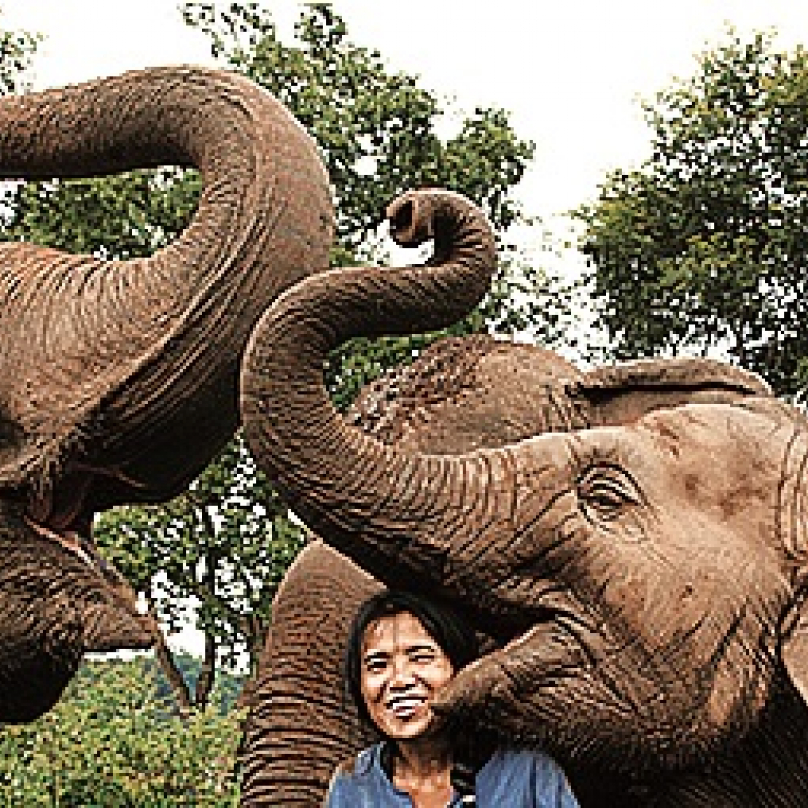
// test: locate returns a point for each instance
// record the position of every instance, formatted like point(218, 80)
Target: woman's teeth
point(406, 707)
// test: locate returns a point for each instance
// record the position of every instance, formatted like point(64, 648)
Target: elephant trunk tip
point(112, 626)
point(408, 226)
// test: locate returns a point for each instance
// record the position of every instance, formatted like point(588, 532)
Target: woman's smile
point(402, 669)
point(405, 707)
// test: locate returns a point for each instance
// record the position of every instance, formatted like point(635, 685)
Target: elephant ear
point(794, 652)
point(620, 394)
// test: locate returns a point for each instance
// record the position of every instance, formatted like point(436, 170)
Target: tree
point(227, 541)
point(113, 742)
point(378, 135)
point(17, 49)
point(703, 247)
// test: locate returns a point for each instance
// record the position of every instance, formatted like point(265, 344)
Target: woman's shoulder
point(356, 780)
point(360, 764)
point(527, 772)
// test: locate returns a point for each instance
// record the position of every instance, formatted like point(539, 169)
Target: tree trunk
point(176, 681)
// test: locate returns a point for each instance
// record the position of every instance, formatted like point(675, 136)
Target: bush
point(113, 742)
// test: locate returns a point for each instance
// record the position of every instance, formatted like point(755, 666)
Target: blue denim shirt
point(510, 779)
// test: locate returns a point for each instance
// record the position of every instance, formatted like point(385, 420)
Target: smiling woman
point(401, 650)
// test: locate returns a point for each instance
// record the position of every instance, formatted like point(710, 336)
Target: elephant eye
point(604, 492)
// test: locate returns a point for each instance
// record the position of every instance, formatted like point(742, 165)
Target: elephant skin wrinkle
point(646, 517)
point(118, 378)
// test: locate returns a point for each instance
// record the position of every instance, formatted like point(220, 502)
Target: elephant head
point(118, 378)
point(460, 395)
point(58, 599)
point(641, 568)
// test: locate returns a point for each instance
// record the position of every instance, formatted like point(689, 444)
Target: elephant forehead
point(696, 447)
point(706, 475)
point(714, 441)
point(705, 436)
point(699, 457)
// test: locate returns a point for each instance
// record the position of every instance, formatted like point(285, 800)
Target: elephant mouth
point(507, 612)
point(78, 546)
point(503, 627)
point(63, 515)
point(554, 615)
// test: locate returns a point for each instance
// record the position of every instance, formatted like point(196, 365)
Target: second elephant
point(462, 394)
point(640, 567)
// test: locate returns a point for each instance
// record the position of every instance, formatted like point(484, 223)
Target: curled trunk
point(373, 502)
point(128, 368)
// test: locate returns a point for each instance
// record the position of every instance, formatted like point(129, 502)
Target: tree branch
point(173, 674)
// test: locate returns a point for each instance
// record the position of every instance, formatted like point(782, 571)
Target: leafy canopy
point(703, 248)
point(379, 133)
point(113, 742)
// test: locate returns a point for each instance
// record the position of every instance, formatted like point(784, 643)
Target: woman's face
point(402, 669)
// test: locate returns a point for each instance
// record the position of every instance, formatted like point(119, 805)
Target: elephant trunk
point(144, 352)
point(374, 503)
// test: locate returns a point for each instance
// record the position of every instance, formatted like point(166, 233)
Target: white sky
point(570, 72)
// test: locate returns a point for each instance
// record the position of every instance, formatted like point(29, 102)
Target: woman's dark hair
point(453, 635)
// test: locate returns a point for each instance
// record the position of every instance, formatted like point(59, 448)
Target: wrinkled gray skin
point(118, 378)
point(643, 580)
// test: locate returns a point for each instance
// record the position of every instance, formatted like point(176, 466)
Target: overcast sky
point(569, 71)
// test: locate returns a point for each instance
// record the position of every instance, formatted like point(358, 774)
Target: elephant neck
point(766, 767)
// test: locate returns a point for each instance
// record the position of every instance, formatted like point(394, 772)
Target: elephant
point(118, 379)
point(637, 560)
point(461, 394)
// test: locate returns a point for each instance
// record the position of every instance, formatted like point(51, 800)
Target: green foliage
point(113, 742)
point(377, 129)
point(378, 132)
point(17, 49)
point(703, 248)
point(123, 216)
point(226, 542)
point(224, 698)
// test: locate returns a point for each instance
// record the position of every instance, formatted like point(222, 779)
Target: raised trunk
point(372, 502)
point(128, 368)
